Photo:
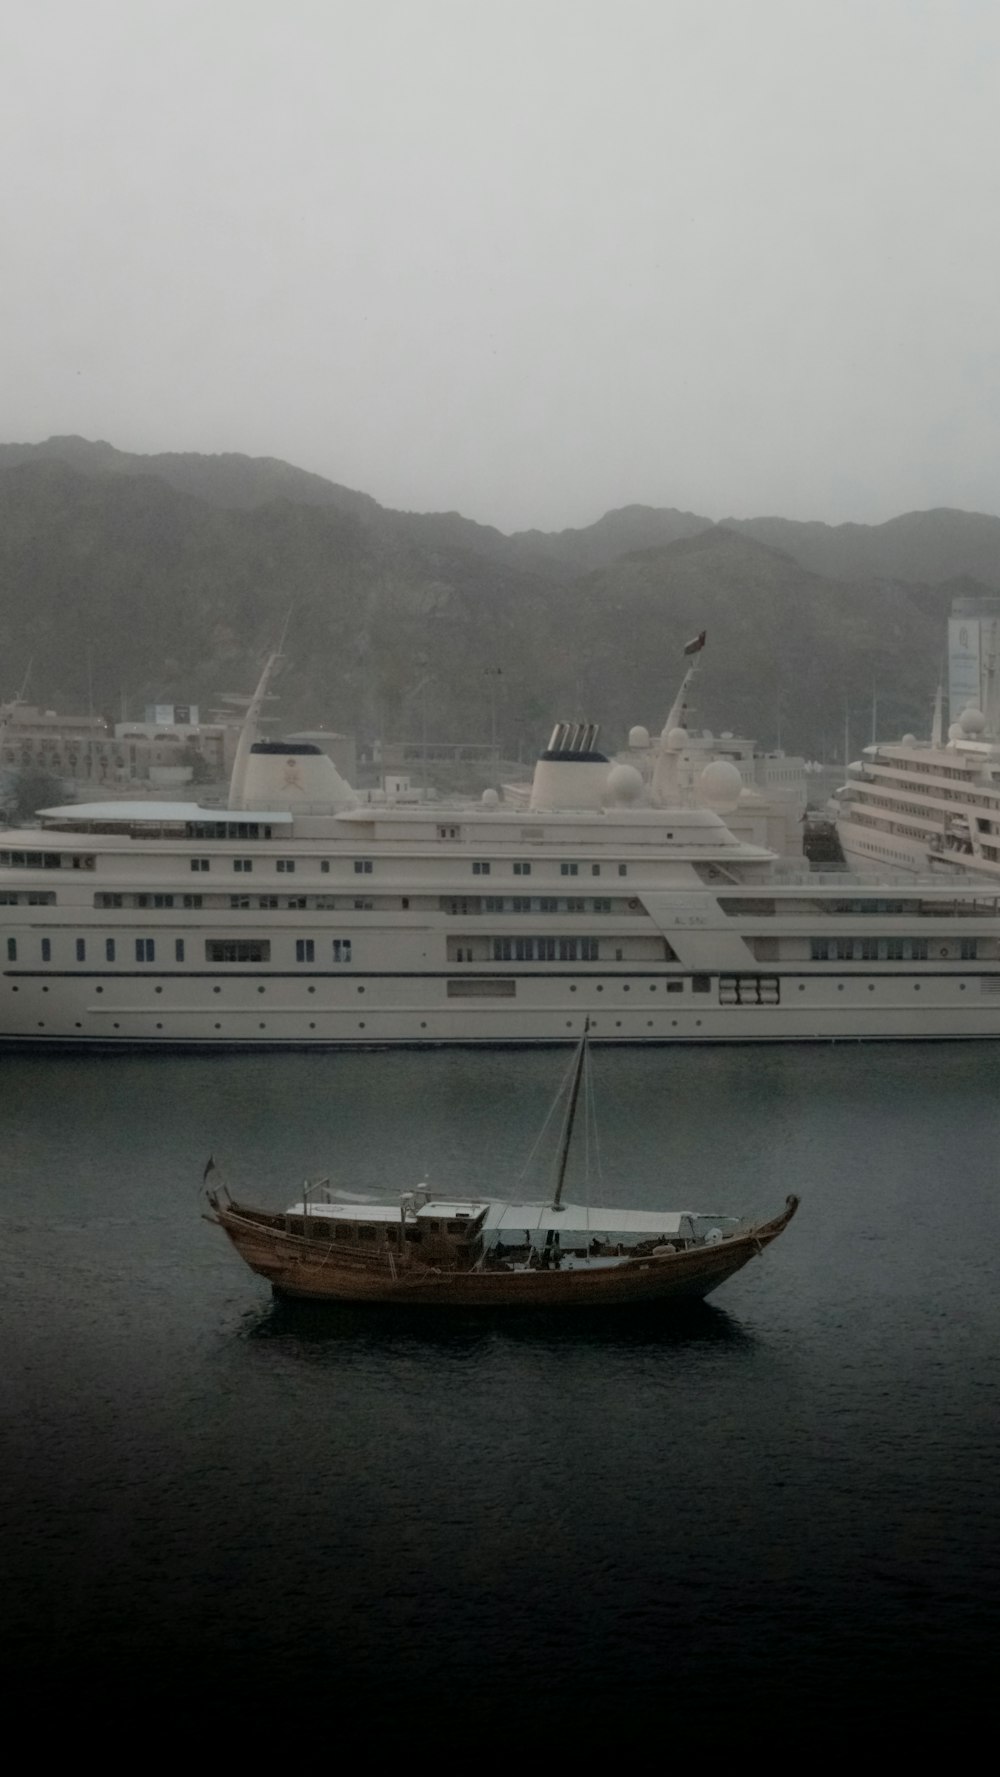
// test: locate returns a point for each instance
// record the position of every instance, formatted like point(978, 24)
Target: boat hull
point(304, 1271)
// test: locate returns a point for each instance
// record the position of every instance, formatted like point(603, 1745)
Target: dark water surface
point(790, 1496)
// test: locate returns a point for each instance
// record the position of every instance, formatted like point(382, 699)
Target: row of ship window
point(217, 950)
point(53, 860)
point(893, 950)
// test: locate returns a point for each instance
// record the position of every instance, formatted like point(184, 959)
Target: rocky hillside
point(172, 575)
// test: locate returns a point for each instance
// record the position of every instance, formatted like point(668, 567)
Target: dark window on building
point(569, 869)
point(243, 864)
point(286, 866)
point(178, 950)
point(341, 950)
point(12, 950)
point(305, 950)
point(480, 867)
point(522, 869)
point(46, 950)
point(109, 950)
point(145, 950)
point(81, 950)
point(199, 863)
point(362, 866)
point(192, 901)
point(623, 869)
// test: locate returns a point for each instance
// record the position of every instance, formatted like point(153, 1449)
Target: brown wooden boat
point(482, 1252)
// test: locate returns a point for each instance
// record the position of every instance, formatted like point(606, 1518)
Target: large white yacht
point(933, 805)
point(300, 915)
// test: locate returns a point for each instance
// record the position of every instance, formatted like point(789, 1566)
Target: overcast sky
point(530, 259)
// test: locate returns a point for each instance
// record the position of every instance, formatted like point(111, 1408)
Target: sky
point(529, 260)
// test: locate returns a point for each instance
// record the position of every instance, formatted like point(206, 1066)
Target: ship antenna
point(574, 1093)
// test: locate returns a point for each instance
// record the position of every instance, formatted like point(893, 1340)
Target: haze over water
point(788, 1497)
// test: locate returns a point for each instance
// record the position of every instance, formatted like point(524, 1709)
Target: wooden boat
point(475, 1252)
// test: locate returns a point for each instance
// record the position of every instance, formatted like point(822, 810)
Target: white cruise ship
point(934, 805)
point(300, 916)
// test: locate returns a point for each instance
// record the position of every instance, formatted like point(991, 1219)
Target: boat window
point(243, 864)
point(145, 950)
point(81, 950)
point(484, 987)
point(343, 1231)
point(305, 950)
point(199, 864)
point(569, 869)
point(237, 950)
point(12, 950)
point(480, 867)
point(341, 950)
point(701, 984)
point(363, 866)
point(455, 1227)
point(286, 866)
point(366, 1231)
point(321, 1230)
point(109, 950)
point(522, 869)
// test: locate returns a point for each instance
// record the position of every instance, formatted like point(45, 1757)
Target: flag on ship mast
point(697, 645)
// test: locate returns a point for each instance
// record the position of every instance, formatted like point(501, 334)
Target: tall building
point(973, 654)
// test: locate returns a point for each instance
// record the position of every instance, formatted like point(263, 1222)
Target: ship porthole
point(361, 1024)
point(218, 1027)
point(159, 1027)
point(309, 990)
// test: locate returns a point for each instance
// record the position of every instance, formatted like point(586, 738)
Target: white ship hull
point(411, 1010)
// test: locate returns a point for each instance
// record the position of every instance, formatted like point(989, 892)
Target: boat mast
point(574, 1093)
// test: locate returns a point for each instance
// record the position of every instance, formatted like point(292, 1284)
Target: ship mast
point(248, 732)
point(574, 1093)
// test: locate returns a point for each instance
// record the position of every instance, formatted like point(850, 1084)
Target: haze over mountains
point(170, 576)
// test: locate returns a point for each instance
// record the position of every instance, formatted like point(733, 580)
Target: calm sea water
point(789, 1496)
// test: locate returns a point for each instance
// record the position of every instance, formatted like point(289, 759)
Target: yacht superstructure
point(916, 806)
point(299, 916)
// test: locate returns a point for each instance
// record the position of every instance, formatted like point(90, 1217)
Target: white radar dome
point(972, 721)
point(956, 731)
point(624, 783)
point(638, 738)
point(490, 799)
point(677, 740)
point(909, 740)
point(720, 786)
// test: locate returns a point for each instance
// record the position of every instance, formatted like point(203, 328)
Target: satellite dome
point(972, 721)
point(956, 731)
point(638, 737)
point(677, 740)
point(909, 740)
point(624, 783)
point(490, 799)
point(720, 785)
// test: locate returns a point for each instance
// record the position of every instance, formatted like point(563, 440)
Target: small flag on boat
point(697, 645)
point(209, 1168)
